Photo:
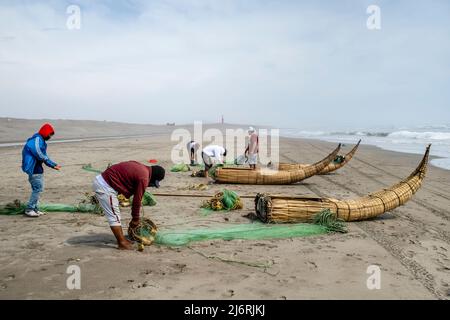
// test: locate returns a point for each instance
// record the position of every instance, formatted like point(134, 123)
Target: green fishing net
point(148, 199)
point(224, 200)
point(251, 231)
point(181, 167)
point(329, 220)
point(88, 167)
point(212, 170)
point(339, 159)
point(18, 207)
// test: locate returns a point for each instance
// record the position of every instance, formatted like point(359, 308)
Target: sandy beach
point(411, 244)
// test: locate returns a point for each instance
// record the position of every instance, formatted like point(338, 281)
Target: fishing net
point(252, 231)
point(17, 207)
point(212, 170)
point(88, 167)
point(328, 220)
point(148, 200)
point(198, 174)
point(339, 159)
point(224, 200)
point(123, 201)
point(144, 232)
point(182, 167)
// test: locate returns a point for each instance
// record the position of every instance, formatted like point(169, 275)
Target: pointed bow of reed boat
point(279, 209)
point(268, 176)
point(332, 166)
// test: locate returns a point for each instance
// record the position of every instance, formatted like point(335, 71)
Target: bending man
point(213, 155)
point(192, 147)
point(129, 178)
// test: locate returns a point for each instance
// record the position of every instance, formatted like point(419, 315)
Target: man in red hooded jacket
point(34, 154)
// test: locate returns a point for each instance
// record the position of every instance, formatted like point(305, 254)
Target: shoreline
point(387, 148)
point(14, 144)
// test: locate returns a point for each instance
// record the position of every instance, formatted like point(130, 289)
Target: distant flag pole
point(222, 120)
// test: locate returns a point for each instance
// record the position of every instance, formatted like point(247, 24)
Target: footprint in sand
point(230, 293)
point(10, 277)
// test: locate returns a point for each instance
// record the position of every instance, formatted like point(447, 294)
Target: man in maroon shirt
point(129, 178)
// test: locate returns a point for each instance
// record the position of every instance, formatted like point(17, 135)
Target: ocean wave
point(420, 135)
point(362, 134)
point(409, 141)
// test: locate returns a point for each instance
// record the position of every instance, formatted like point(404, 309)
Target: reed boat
point(270, 176)
point(334, 165)
point(282, 209)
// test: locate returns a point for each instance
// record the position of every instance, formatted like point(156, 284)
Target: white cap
point(251, 129)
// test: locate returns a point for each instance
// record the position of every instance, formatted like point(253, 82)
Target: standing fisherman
point(252, 148)
point(34, 154)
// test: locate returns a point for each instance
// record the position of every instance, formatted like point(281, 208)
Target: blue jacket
point(34, 153)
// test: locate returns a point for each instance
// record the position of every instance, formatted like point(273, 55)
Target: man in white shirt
point(213, 155)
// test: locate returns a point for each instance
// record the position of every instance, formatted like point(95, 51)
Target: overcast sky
point(306, 64)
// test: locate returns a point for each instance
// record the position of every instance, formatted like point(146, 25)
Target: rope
point(194, 195)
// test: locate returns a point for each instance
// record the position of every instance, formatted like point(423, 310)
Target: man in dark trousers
point(34, 154)
point(129, 178)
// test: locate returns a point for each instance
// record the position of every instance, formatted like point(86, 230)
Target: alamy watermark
point(374, 280)
point(374, 20)
point(73, 282)
point(74, 19)
point(233, 140)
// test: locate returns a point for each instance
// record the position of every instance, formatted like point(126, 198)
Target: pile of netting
point(339, 159)
point(328, 220)
point(198, 173)
point(144, 232)
point(182, 167)
point(148, 200)
point(212, 170)
point(251, 231)
point(224, 200)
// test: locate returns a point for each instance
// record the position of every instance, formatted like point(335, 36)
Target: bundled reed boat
point(270, 176)
point(334, 165)
point(280, 209)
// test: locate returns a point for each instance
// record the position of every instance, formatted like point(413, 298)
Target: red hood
point(46, 130)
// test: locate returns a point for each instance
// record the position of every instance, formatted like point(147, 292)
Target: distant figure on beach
point(193, 147)
point(129, 178)
point(252, 148)
point(34, 154)
point(213, 155)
